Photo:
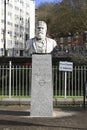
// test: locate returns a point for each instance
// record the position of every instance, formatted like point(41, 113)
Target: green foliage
point(68, 16)
point(78, 58)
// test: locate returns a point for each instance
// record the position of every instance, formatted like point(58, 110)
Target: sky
point(38, 2)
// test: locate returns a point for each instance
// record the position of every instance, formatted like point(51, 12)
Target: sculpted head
point(41, 30)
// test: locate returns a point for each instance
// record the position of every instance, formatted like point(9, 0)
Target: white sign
point(65, 66)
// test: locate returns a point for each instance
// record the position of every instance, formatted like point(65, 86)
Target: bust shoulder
point(50, 40)
point(30, 40)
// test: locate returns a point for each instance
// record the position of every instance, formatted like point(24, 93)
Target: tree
point(65, 17)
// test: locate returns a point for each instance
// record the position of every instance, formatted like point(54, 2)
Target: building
point(17, 19)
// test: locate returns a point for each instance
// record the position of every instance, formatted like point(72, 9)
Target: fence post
point(84, 93)
point(10, 79)
point(65, 83)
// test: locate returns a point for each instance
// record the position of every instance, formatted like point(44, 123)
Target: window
point(21, 2)
point(9, 23)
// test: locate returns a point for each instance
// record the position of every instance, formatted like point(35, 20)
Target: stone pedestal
point(42, 87)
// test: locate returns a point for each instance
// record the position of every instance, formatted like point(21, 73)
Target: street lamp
point(5, 26)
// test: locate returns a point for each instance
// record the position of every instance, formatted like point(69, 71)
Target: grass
point(15, 96)
point(55, 97)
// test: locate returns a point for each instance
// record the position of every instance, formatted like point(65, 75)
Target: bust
point(40, 43)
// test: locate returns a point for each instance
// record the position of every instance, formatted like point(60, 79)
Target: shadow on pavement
point(14, 117)
point(14, 113)
point(18, 123)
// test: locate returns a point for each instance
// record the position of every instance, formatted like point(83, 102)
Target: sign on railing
point(65, 66)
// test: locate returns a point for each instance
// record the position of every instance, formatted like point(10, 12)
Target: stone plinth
point(42, 88)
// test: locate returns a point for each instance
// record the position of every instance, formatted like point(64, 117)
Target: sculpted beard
point(40, 35)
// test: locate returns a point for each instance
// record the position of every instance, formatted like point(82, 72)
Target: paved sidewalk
point(18, 118)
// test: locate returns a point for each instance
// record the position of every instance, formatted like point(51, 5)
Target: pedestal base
point(42, 88)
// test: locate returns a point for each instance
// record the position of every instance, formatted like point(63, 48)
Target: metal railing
point(75, 81)
point(15, 81)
